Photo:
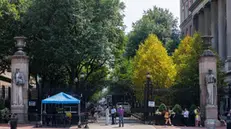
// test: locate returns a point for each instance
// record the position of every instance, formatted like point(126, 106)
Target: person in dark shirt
point(54, 113)
point(228, 120)
point(121, 116)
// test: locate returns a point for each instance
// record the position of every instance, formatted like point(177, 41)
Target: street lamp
point(146, 94)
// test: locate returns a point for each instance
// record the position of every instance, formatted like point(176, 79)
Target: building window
point(183, 13)
point(186, 32)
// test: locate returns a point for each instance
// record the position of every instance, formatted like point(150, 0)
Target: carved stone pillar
point(19, 96)
point(208, 62)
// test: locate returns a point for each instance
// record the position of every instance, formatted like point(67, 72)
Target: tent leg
point(41, 114)
point(79, 124)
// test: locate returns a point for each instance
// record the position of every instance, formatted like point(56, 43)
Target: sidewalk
point(140, 126)
point(182, 127)
point(126, 126)
point(20, 126)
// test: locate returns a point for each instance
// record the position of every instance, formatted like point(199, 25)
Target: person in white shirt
point(186, 116)
point(113, 115)
point(107, 116)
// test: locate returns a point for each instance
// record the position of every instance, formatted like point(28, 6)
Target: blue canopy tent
point(61, 98)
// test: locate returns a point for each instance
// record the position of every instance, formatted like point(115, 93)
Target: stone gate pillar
point(19, 83)
point(208, 105)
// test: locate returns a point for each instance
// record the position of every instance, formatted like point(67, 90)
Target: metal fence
point(49, 120)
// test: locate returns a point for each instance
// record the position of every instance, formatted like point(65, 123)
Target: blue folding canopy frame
point(61, 98)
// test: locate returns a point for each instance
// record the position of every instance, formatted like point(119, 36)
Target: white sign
point(151, 103)
point(32, 103)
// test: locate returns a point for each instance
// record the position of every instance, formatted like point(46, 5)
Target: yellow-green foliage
point(186, 59)
point(181, 56)
point(152, 57)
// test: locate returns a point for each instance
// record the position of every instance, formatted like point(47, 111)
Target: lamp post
point(79, 123)
point(146, 95)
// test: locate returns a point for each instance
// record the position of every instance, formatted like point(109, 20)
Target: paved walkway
point(126, 126)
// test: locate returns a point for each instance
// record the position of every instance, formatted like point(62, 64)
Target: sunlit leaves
point(152, 57)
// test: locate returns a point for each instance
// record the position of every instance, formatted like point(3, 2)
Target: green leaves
point(152, 57)
point(10, 26)
point(154, 21)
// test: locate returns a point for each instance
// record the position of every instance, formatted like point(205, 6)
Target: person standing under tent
point(107, 116)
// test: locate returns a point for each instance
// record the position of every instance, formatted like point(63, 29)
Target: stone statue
point(20, 82)
point(210, 81)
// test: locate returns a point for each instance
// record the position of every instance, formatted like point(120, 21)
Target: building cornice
point(186, 21)
point(194, 5)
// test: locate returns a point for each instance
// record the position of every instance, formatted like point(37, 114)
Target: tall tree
point(74, 36)
point(156, 21)
point(152, 57)
point(10, 26)
point(186, 59)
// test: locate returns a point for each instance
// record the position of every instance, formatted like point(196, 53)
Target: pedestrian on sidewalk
point(121, 116)
point(107, 116)
point(113, 115)
point(186, 116)
point(197, 117)
point(167, 117)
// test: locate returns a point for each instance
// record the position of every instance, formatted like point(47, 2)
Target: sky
point(135, 8)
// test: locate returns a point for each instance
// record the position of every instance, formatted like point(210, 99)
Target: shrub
point(192, 108)
point(162, 107)
point(177, 109)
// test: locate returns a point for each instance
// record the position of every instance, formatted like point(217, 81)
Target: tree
point(186, 59)
point(156, 21)
point(152, 57)
point(76, 36)
point(173, 42)
point(10, 26)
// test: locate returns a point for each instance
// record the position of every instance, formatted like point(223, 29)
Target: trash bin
point(13, 123)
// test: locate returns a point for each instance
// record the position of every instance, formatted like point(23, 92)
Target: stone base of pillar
point(21, 115)
point(211, 116)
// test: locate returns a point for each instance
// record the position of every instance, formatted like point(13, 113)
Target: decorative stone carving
point(19, 82)
point(210, 81)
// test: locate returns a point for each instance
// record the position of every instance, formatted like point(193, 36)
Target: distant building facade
point(209, 17)
point(5, 84)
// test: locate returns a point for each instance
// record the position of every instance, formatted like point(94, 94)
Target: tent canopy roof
point(61, 98)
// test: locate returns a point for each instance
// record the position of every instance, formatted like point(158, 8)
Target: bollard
point(13, 123)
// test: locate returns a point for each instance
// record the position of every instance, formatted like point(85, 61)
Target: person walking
point(121, 116)
point(167, 117)
point(186, 116)
point(107, 115)
point(113, 115)
point(197, 117)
